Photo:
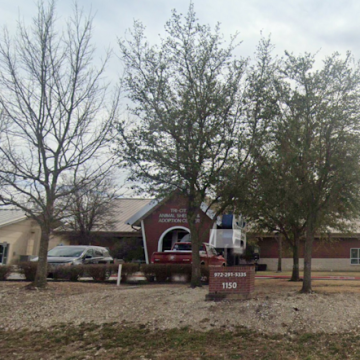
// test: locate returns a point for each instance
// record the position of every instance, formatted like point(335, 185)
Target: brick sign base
point(233, 282)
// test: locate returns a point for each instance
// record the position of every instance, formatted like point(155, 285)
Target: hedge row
point(4, 272)
point(167, 272)
point(101, 272)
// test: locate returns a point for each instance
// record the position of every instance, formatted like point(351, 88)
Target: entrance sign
point(234, 282)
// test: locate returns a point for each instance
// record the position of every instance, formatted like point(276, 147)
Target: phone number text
point(229, 274)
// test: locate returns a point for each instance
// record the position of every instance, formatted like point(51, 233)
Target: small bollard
point(119, 275)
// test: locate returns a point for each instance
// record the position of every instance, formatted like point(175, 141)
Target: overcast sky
point(295, 25)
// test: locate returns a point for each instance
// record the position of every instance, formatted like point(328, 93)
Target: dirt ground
point(87, 320)
point(276, 307)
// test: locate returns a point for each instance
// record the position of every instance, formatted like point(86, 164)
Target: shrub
point(129, 268)
point(161, 272)
point(99, 272)
point(5, 270)
point(70, 272)
point(128, 249)
point(182, 270)
point(28, 268)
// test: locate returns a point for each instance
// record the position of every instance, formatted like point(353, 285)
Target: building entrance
point(171, 236)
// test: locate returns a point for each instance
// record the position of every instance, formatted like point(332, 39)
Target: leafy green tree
point(308, 170)
point(321, 123)
point(272, 204)
point(188, 122)
point(264, 193)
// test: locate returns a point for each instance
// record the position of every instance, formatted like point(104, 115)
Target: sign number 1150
point(229, 285)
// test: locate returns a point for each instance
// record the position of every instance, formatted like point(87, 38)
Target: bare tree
point(58, 122)
point(92, 208)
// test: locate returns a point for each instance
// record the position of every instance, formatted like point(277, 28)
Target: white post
point(119, 275)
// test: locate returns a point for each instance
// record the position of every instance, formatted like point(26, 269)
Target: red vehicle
point(181, 254)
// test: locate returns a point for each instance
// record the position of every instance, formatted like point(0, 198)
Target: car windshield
point(211, 251)
point(182, 247)
point(64, 251)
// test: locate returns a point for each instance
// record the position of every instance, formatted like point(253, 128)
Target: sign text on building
point(176, 216)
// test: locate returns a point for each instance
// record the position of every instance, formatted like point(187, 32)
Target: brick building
point(159, 223)
point(163, 223)
point(335, 252)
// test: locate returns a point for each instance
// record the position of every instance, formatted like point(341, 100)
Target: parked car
point(77, 255)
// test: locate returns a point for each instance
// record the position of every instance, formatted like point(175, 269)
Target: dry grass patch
point(271, 287)
point(114, 341)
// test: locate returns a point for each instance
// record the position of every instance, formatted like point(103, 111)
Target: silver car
point(77, 255)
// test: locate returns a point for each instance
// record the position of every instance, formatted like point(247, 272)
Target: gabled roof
point(11, 216)
point(135, 219)
point(114, 221)
point(125, 208)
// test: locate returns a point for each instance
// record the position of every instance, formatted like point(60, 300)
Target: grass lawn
point(115, 341)
point(313, 273)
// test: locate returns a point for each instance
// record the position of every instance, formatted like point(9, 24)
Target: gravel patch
point(174, 306)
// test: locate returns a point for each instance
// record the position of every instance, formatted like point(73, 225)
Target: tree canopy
point(188, 123)
point(307, 172)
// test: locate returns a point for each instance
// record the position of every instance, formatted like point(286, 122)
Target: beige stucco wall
point(316, 264)
point(23, 238)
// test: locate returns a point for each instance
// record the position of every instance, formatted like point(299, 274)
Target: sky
point(298, 26)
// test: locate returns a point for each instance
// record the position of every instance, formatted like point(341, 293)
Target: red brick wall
point(242, 276)
point(329, 249)
point(160, 220)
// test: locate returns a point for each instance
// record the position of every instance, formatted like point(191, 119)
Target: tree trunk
point(307, 260)
point(41, 272)
point(295, 270)
point(279, 268)
point(193, 207)
point(196, 266)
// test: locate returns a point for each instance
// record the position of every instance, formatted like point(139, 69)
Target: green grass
point(116, 341)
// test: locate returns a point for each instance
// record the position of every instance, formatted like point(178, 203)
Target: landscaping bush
point(99, 272)
point(180, 272)
point(129, 268)
point(70, 272)
point(161, 272)
point(28, 268)
point(5, 270)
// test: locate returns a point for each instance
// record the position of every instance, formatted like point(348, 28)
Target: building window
point(3, 253)
point(354, 256)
